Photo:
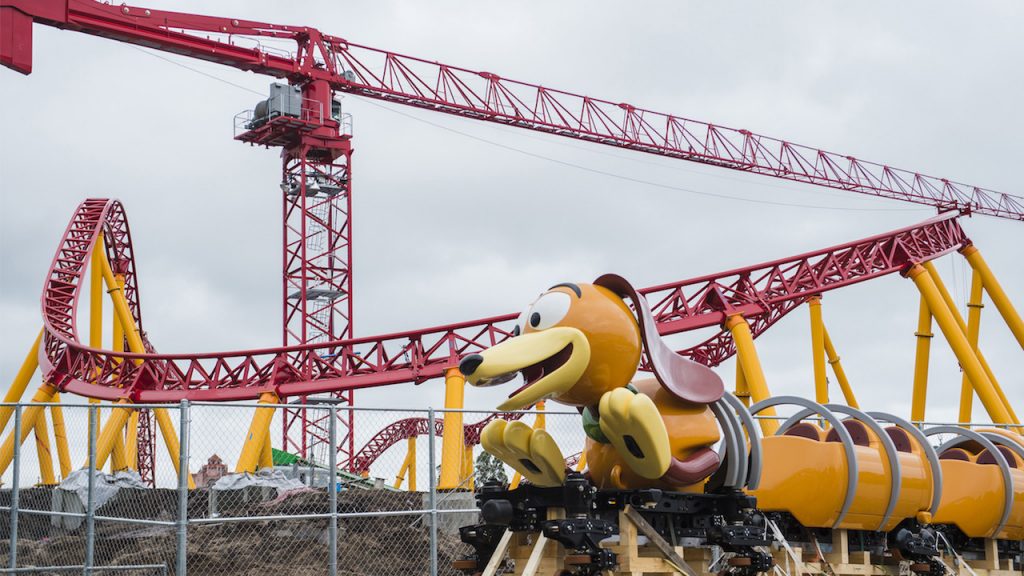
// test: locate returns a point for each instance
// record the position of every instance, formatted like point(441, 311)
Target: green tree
point(489, 468)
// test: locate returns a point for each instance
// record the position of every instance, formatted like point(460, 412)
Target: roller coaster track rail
point(763, 294)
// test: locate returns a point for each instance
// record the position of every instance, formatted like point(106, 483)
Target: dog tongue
point(697, 467)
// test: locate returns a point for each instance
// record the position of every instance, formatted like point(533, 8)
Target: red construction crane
point(316, 180)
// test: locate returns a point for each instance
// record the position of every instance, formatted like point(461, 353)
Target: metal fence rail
point(308, 515)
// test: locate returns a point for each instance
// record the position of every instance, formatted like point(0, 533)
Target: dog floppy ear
point(684, 378)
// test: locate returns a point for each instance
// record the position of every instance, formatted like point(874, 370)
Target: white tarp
point(105, 486)
point(267, 477)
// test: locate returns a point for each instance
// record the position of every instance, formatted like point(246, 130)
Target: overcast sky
point(449, 227)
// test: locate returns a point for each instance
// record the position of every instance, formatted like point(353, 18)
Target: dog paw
point(634, 426)
point(532, 453)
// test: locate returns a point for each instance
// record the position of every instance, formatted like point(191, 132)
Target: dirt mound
point(367, 546)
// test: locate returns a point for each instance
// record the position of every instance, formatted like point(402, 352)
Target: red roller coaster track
point(762, 293)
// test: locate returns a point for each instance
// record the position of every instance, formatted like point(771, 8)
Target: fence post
point(183, 452)
point(332, 459)
point(15, 488)
point(90, 505)
point(433, 492)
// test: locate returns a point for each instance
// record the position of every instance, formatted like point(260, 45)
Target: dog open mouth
point(534, 372)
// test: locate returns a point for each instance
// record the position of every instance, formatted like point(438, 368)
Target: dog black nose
point(469, 364)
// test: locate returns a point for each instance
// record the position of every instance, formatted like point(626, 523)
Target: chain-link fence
point(191, 497)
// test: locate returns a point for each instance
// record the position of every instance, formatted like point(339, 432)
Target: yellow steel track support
point(961, 347)
point(412, 463)
point(837, 369)
point(582, 462)
point(163, 422)
point(119, 456)
point(818, 350)
point(467, 467)
point(96, 293)
point(131, 441)
point(742, 392)
point(259, 433)
point(28, 423)
point(121, 310)
point(21, 380)
point(974, 306)
point(996, 293)
point(923, 353)
point(963, 328)
point(267, 452)
point(135, 345)
point(96, 306)
point(746, 355)
point(408, 469)
point(110, 431)
point(60, 437)
point(452, 436)
point(43, 453)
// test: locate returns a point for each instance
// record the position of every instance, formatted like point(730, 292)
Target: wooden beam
point(660, 543)
point(499, 554)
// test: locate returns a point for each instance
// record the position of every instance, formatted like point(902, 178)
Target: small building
point(213, 470)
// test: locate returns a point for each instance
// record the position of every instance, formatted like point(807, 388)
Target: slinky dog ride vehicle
point(581, 345)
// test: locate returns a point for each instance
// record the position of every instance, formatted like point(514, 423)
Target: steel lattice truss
point(762, 293)
point(386, 75)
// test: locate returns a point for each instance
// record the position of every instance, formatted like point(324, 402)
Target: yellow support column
point(96, 306)
point(963, 328)
point(96, 293)
point(411, 452)
point(582, 462)
point(742, 392)
point(746, 355)
point(452, 437)
point(21, 380)
point(837, 369)
point(540, 420)
point(996, 293)
point(267, 452)
point(818, 350)
point(121, 310)
point(961, 347)
point(400, 477)
point(119, 456)
point(467, 468)
point(43, 453)
point(408, 469)
point(135, 345)
point(163, 422)
point(131, 441)
point(259, 430)
point(110, 431)
point(974, 307)
point(60, 437)
point(924, 339)
point(28, 423)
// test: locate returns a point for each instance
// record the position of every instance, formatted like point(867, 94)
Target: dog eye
point(549, 310)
